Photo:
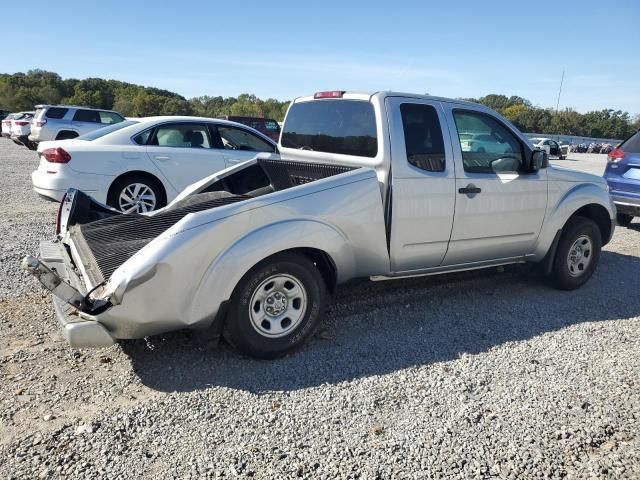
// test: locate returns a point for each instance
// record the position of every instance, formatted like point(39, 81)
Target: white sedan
point(141, 165)
point(552, 147)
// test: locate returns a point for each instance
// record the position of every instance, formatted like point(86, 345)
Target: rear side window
point(56, 112)
point(347, 127)
point(143, 138)
point(86, 116)
point(423, 137)
point(632, 144)
point(109, 118)
point(272, 125)
point(238, 139)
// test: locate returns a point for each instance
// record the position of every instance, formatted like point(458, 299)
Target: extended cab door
point(499, 208)
point(422, 184)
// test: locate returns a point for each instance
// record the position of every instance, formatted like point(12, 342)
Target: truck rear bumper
point(52, 271)
point(80, 333)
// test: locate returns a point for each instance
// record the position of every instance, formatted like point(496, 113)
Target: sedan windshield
point(101, 132)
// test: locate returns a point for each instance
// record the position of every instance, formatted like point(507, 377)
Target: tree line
point(607, 123)
point(21, 91)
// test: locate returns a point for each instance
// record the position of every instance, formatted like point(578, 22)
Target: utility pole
point(558, 102)
point(560, 91)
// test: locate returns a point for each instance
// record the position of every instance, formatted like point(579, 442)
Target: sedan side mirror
point(539, 159)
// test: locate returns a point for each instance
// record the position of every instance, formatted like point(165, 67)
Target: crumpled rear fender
point(228, 268)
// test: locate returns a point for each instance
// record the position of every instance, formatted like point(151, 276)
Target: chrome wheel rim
point(277, 305)
point(579, 256)
point(137, 198)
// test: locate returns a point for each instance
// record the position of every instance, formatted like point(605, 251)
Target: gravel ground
point(476, 375)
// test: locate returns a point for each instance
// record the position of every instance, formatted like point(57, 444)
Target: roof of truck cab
point(367, 95)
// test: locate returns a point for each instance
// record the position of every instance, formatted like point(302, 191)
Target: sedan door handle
point(162, 157)
point(470, 190)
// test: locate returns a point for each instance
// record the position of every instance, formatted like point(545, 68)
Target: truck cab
point(462, 186)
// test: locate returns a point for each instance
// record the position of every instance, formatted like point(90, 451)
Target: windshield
point(101, 132)
point(346, 127)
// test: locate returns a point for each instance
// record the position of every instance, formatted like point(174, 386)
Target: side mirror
point(539, 159)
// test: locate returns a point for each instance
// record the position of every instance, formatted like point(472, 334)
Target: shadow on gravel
point(375, 328)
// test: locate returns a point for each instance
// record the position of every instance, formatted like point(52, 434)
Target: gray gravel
point(476, 375)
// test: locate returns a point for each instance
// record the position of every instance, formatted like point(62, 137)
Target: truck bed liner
point(107, 243)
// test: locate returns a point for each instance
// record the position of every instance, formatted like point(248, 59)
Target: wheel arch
point(584, 199)
point(600, 216)
point(323, 244)
point(142, 173)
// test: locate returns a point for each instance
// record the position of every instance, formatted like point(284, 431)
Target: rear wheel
point(136, 194)
point(624, 219)
point(578, 253)
point(275, 307)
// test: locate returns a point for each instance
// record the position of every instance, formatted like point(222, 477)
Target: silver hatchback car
point(61, 122)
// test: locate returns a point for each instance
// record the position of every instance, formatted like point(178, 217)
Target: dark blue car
point(623, 176)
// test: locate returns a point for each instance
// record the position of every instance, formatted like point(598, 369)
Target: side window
point(143, 138)
point(487, 146)
point(272, 126)
point(184, 135)
point(109, 118)
point(239, 139)
point(423, 137)
point(56, 112)
point(86, 116)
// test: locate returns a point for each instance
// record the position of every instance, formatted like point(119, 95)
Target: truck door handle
point(470, 190)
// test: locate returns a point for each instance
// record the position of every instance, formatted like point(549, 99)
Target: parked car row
point(592, 148)
point(55, 122)
point(16, 126)
point(378, 185)
point(63, 122)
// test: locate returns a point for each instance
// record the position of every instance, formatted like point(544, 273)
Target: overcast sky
point(284, 49)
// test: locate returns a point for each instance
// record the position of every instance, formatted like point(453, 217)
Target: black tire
point(567, 277)
point(66, 135)
point(123, 182)
point(239, 329)
point(624, 219)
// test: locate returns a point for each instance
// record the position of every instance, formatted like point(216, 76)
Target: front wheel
point(275, 307)
point(624, 219)
point(578, 253)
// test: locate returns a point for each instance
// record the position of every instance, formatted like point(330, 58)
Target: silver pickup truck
point(380, 185)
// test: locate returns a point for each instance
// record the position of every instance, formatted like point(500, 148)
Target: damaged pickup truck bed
point(370, 185)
